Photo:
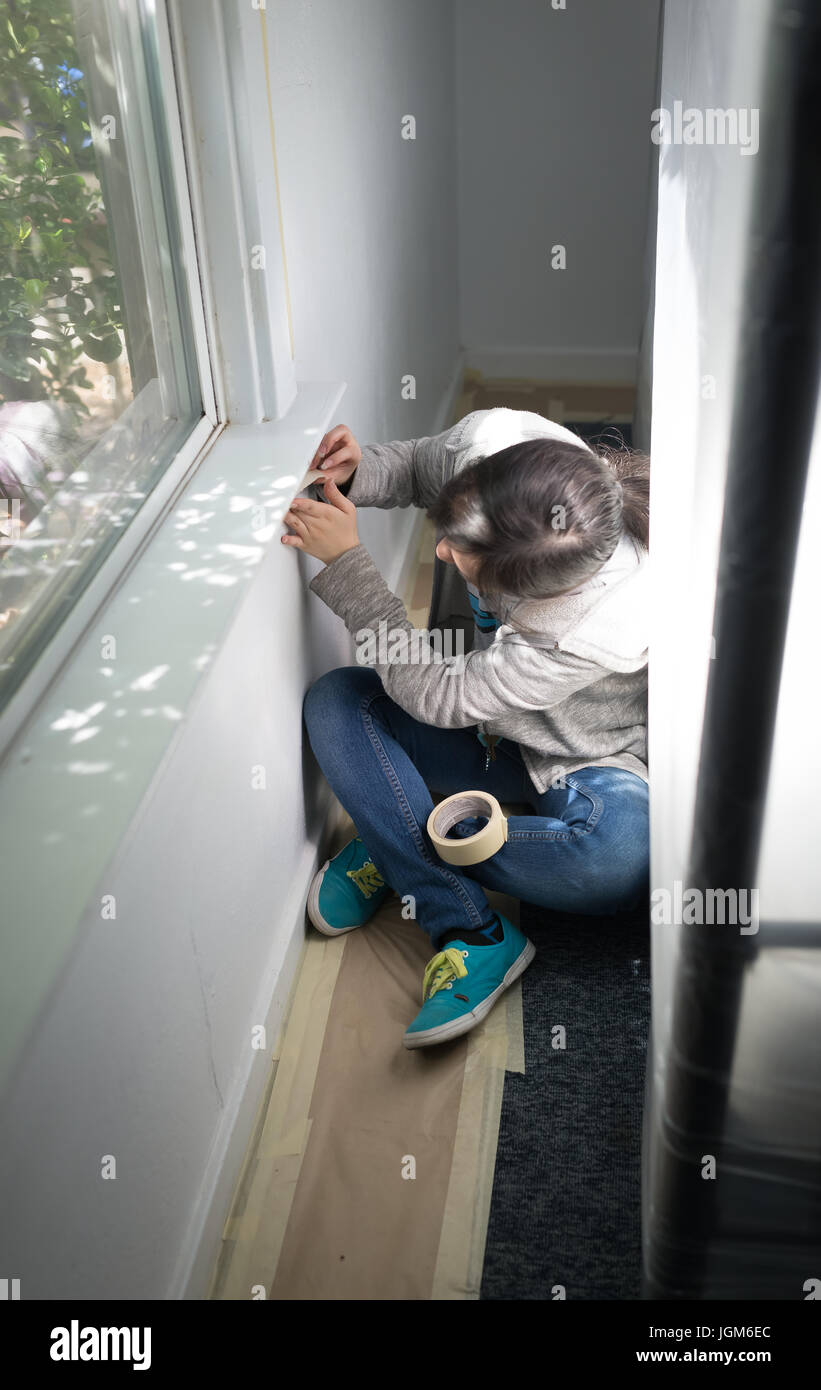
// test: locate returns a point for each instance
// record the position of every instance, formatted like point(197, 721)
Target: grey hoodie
point(565, 678)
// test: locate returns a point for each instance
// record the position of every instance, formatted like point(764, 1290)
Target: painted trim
point(185, 212)
point(187, 129)
point(229, 139)
point(200, 1249)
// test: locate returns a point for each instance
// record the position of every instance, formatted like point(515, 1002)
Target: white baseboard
point(611, 367)
point(197, 1259)
point(201, 1249)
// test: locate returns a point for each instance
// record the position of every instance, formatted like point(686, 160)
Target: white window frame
point(249, 451)
point(115, 567)
point(221, 135)
point(226, 99)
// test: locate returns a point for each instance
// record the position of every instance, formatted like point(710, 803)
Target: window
point(99, 355)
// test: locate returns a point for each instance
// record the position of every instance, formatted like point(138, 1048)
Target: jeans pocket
point(584, 811)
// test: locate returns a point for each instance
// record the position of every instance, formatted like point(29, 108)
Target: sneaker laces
point(447, 965)
point(366, 878)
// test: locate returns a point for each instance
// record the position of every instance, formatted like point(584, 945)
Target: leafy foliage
point(59, 297)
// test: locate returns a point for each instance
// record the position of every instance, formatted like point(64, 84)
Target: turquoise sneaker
point(463, 982)
point(346, 891)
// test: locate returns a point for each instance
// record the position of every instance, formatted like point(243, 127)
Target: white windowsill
point(73, 782)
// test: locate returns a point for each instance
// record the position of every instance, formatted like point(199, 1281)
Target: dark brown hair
point(543, 516)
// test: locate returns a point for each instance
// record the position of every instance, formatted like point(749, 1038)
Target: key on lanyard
point(490, 750)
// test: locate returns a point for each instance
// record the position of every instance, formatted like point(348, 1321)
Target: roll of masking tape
point(473, 849)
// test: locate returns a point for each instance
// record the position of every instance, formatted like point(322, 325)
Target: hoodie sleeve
point(402, 474)
point(412, 472)
point(447, 691)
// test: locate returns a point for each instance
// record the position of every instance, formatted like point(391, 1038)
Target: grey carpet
point(565, 1207)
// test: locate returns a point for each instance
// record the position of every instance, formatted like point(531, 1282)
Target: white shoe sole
point(457, 1026)
point(313, 908)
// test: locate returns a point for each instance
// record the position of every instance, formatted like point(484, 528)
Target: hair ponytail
point(632, 470)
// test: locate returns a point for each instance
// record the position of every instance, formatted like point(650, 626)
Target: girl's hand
point(338, 454)
point(323, 529)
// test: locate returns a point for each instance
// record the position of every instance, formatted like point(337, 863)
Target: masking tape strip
point(515, 1030)
point(374, 1102)
point(460, 1259)
point(314, 475)
point(474, 849)
point(255, 1232)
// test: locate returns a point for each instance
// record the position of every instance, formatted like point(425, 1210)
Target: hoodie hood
point(606, 620)
point(486, 432)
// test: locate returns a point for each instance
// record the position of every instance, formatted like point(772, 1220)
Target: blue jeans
point(585, 849)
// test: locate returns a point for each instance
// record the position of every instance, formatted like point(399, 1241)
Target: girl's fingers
point(308, 505)
point(333, 436)
point(338, 457)
point(337, 498)
point(298, 522)
point(329, 441)
point(292, 540)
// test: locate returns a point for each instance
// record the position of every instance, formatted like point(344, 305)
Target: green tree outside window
point(59, 296)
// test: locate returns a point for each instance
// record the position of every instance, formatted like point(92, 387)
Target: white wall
point(554, 147)
point(141, 1048)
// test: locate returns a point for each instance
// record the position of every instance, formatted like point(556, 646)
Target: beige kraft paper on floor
point(254, 1233)
point(361, 1225)
point(493, 1049)
point(359, 1228)
point(323, 1210)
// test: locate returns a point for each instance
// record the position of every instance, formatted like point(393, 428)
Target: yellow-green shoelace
point(447, 965)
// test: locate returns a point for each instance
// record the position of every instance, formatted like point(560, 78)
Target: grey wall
point(370, 218)
point(554, 147)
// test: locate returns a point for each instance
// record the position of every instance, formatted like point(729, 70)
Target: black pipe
point(779, 359)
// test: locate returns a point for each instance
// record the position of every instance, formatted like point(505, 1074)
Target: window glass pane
point(98, 376)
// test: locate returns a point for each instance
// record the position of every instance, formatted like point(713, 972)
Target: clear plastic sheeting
point(731, 1190)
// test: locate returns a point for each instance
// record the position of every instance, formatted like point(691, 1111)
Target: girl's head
point(539, 519)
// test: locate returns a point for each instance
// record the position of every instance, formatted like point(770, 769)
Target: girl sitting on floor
point(549, 708)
